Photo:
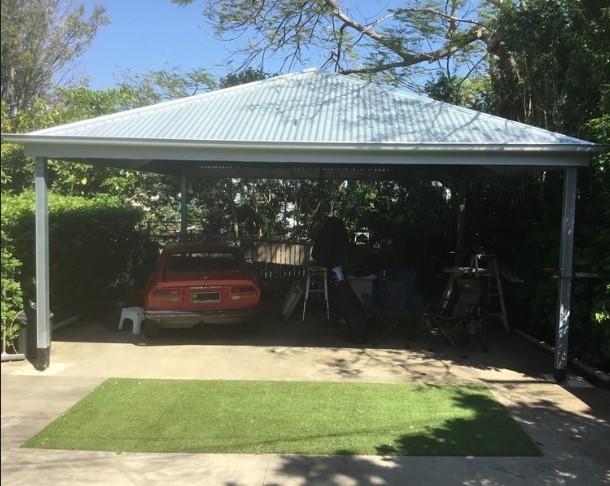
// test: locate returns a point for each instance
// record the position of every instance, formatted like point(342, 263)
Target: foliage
point(17, 170)
point(70, 178)
point(412, 217)
point(40, 40)
point(552, 62)
point(247, 75)
point(474, 93)
point(593, 241)
point(167, 84)
point(92, 242)
point(398, 44)
point(12, 297)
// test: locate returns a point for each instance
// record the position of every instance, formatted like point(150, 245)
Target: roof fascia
point(82, 149)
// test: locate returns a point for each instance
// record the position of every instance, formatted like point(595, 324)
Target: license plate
point(206, 297)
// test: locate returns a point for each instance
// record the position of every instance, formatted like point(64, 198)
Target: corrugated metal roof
point(311, 106)
point(309, 124)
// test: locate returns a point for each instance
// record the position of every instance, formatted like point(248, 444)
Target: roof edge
point(49, 140)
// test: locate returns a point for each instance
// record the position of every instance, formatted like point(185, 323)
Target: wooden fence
point(280, 253)
point(277, 265)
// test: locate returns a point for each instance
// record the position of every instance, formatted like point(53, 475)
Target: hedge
point(91, 244)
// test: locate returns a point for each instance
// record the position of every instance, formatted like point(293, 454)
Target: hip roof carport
point(309, 124)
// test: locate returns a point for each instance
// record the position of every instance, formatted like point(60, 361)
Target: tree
point(69, 105)
point(168, 84)
point(552, 63)
point(40, 41)
point(356, 37)
point(247, 75)
point(552, 70)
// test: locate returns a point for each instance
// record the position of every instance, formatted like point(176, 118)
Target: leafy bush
point(91, 244)
point(12, 297)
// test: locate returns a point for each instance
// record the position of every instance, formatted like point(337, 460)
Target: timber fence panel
point(276, 265)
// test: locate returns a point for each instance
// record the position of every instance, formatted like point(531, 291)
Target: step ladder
point(316, 281)
point(485, 265)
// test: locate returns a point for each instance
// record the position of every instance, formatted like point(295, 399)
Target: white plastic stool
point(135, 314)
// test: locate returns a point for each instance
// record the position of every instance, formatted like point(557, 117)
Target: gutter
point(46, 140)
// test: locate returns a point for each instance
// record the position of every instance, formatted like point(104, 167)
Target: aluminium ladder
point(486, 265)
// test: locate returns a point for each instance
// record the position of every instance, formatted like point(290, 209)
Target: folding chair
point(394, 300)
point(461, 308)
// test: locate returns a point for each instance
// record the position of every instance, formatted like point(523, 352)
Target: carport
point(308, 125)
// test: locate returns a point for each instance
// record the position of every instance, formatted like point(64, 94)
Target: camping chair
point(394, 300)
point(461, 308)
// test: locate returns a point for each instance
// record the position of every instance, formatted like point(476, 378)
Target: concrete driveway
point(569, 422)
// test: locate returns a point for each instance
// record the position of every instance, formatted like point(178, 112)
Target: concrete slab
point(571, 424)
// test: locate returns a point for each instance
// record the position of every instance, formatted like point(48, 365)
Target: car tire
point(152, 329)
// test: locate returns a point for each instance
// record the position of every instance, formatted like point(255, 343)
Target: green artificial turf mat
point(282, 417)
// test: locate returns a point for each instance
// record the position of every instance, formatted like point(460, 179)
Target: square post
point(41, 360)
point(566, 250)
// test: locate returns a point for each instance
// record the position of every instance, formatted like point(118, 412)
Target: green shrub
point(91, 244)
point(12, 297)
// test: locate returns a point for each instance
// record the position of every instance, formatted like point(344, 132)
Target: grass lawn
point(130, 415)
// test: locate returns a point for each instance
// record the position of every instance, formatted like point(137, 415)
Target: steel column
point(41, 360)
point(566, 250)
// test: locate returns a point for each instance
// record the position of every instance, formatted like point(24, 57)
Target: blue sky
point(145, 35)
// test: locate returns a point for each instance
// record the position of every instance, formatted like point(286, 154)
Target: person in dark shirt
point(330, 246)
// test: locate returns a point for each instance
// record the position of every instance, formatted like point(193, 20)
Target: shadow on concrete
point(576, 452)
point(270, 329)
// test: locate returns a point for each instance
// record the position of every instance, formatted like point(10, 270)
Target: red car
point(198, 283)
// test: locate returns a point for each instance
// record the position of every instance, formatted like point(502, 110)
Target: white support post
point(43, 314)
point(566, 250)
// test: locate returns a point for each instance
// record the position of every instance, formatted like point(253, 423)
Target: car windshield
point(187, 262)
